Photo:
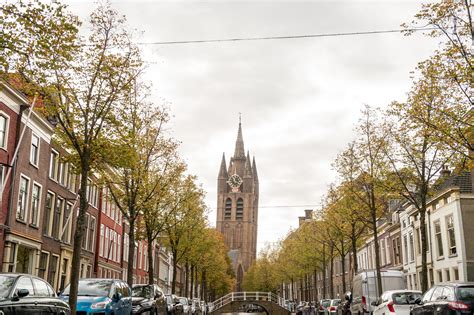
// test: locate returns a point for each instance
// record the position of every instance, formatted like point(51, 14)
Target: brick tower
point(237, 207)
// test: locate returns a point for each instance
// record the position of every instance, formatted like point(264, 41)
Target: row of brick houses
point(39, 203)
point(449, 219)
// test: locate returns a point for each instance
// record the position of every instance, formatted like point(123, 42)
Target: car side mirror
point(374, 303)
point(418, 301)
point(22, 293)
point(157, 295)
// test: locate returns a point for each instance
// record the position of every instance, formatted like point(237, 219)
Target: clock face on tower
point(234, 181)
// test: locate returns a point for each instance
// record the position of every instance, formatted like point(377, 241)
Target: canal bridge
point(238, 302)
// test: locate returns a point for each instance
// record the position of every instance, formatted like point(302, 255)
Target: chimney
point(301, 220)
point(308, 214)
point(445, 172)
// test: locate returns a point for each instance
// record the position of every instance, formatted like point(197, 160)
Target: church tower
point(237, 207)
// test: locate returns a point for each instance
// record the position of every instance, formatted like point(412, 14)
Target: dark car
point(447, 298)
point(25, 294)
point(148, 299)
point(174, 307)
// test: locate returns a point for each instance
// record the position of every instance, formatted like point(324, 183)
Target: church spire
point(223, 169)
point(248, 166)
point(239, 144)
point(254, 169)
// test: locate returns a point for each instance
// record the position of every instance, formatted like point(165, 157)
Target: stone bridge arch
point(233, 302)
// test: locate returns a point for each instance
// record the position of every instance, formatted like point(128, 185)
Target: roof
point(463, 181)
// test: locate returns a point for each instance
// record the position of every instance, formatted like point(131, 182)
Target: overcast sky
point(299, 98)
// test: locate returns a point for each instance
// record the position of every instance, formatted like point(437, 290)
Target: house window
point(63, 173)
point(126, 242)
point(382, 252)
point(91, 237)
point(430, 272)
point(405, 249)
point(24, 260)
point(447, 277)
point(412, 246)
point(228, 209)
point(57, 217)
point(64, 267)
point(451, 235)
point(43, 265)
point(48, 208)
point(54, 165)
point(239, 215)
point(35, 204)
point(396, 250)
point(22, 199)
point(34, 151)
point(438, 238)
point(456, 274)
point(418, 242)
point(3, 131)
point(53, 270)
point(101, 241)
point(86, 231)
point(66, 224)
point(440, 275)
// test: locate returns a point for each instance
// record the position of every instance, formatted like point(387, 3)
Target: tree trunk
point(331, 271)
point(377, 254)
point(324, 272)
point(343, 267)
point(204, 286)
point(151, 267)
point(292, 290)
point(131, 247)
point(192, 282)
point(354, 250)
point(78, 236)
point(175, 268)
point(424, 247)
point(315, 285)
point(186, 279)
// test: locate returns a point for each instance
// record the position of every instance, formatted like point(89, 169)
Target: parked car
point(148, 299)
point(364, 288)
point(108, 296)
point(301, 308)
point(332, 307)
point(186, 305)
point(345, 307)
point(398, 302)
point(26, 294)
point(323, 304)
point(196, 307)
point(174, 306)
point(447, 298)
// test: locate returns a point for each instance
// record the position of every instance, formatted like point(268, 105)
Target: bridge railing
point(250, 297)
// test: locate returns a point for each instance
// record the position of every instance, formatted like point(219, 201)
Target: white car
point(398, 302)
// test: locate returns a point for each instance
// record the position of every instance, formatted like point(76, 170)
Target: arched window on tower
point(228, 209)
point(239, 215)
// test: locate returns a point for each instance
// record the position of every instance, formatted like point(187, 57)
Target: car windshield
point(183, 301)
point(6, 283)
point(92, 287)
point(141, 291)
point(403, 298)
point(465, 293)
point(336, 302)
point(326, 303)
point(169, 299)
